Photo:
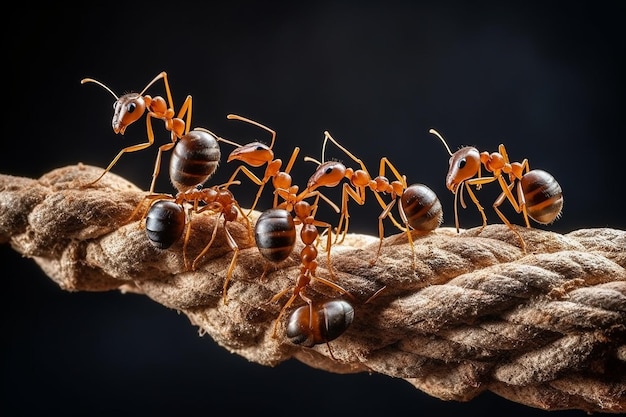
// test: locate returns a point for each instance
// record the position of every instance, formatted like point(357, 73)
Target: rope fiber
point(545, 328)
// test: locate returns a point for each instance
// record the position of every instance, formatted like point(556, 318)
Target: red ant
point(257, 154)
point(539, 195)
point(130, 107)
point(304, 214)
point(166, 219)
point(331, 173)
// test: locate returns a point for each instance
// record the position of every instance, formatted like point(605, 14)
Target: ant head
point(464, 164)
point(328, 174)
point(254, 154)
point(127, 110)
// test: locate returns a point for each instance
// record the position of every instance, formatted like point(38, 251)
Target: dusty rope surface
point(546, 329)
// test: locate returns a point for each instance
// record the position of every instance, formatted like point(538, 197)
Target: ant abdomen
point(194, 159)
point(543, 196)
point(275, 234)
point(422, 208)
point(165, 222)
point(325, 323)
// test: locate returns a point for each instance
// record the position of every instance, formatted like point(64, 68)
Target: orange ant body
point(131, 107)
point(331, 173)
point(539, 195)
point(257, 154)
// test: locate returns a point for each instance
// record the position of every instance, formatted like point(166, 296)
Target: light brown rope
point(546, 328)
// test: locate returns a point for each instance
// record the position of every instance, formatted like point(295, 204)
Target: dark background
point(545, 80)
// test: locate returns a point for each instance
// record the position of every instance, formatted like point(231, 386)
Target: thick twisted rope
point(546, 328)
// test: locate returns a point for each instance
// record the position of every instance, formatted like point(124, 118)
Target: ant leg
point(153, 197)
point(357, 195)
point(186, 240)
point(185, 109)
point(133, 148)
point(208, 245)
point(253, 178)
point(283, 180)
point(296, 292)
point(522, 202)
point(505, 194)
point(478, 182)
point(233, 245)
point(381, 233)
point(157, 163)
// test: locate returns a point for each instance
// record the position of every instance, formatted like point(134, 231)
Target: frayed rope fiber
point(545, 328)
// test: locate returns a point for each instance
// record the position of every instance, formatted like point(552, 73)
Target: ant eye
point(328, 170)
point(462, 163)
point(131, 107)
point(259, 148)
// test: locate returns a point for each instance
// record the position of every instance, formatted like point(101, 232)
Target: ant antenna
point(91, 80)
point(326, 134)
point(434, 132)
point(347, 152)
point(163, 75)
point(252, 122)
point(310, 159)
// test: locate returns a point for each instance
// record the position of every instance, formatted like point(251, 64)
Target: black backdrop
point(546, 81)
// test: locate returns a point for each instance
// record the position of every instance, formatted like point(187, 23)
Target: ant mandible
point(131, 107)
point(539, 195)
point(257, 154)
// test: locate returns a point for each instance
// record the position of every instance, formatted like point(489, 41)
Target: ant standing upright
point(539, 195)
point(131, 107)
point(421, 205)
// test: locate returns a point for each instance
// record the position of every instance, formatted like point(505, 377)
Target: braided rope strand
point(546, 328)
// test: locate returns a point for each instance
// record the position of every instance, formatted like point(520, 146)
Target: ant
point(539, 195)
point(166, 219)
point(317, 323)
point(275, 228)
point(277, 242)
point(331, 173)
point(257, 154)
point(194, 159)
point(131, 106)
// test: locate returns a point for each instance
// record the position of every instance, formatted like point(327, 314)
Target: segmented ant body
point(167, 220)
point(257, 154)
point(421, 207)
point(194, 160)
point(539, 195)
point(331, 173)
point(317, 323)
point(275, 234)
point(165, 223)
point(303, 214)
point(132, 106)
